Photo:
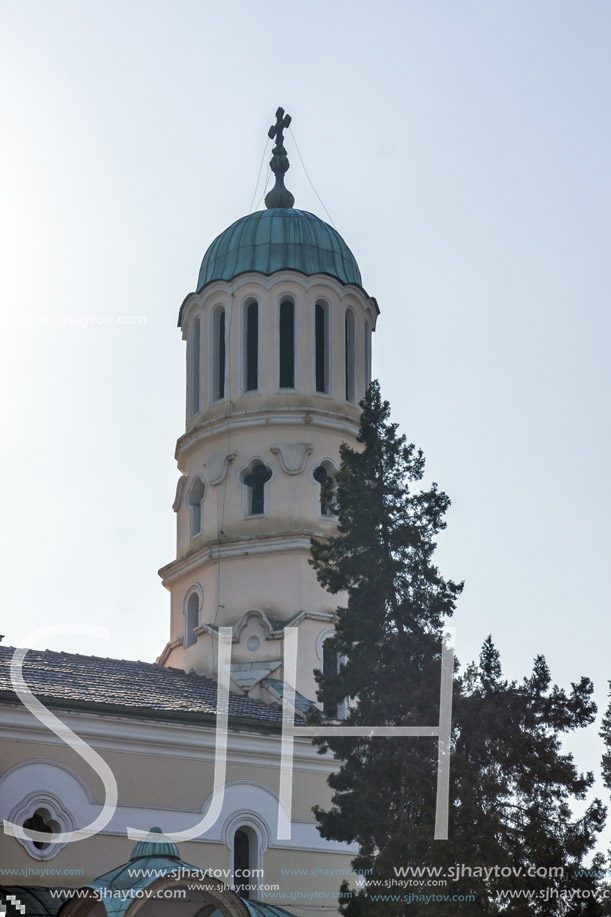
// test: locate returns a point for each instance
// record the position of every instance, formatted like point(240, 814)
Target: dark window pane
point(37, 823)
point(321, 349)
point(329, 667)
point(349, 344)
point(252, 347)
point(256, 482)
point(221, 362)
point(327, 485)
point(195, 367)
point(241, 862)
point(287, 345)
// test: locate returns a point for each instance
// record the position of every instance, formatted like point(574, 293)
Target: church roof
point(125, 686)
point(279, 239)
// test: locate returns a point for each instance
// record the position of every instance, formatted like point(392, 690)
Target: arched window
point(218, 354)
point(330, 666)
point(194, 502)
point(321, 347)
point(241, 862)
point(287, 344)
point(251, 348)
point(255, 478)
point(195, 378)
point(191, 613)
point(367, 355)
point(324, 475)
point(350, 355)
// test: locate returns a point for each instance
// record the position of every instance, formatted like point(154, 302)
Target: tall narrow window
point(195, 382)
point(255, 480)
point(330, 666)
point(367, 355)
point(241, 863)
point(323, 475)
point(252, 347)
point(191, 613)
point(321, 348)
point(287, 344)
point(350, 354)
point(218, 354)
point(194, 502)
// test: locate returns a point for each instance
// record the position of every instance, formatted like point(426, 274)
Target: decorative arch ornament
point(217, 466)
point(292, 456)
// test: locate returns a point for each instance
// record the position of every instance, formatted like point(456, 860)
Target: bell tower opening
point(287, 344)
point(350, 355)
point(218, 354)
point(321, 347)
point(251, 347)
point(255, 481)
point(195, 368)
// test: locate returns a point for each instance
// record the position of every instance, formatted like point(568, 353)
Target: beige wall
point(164, 774)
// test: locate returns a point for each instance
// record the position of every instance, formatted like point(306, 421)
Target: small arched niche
point(195, 499)
point(191, 608)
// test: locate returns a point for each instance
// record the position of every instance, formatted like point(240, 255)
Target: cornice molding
point(273, 634)
point(205, 433)
point(321, 284)
point(254, 544)
point(128, 734)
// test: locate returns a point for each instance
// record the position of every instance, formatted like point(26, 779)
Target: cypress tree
point(510, 784)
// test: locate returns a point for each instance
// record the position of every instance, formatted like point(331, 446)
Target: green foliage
point(511, 785)
point(605, 733)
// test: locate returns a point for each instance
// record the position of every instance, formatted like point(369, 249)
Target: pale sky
point(462, 150)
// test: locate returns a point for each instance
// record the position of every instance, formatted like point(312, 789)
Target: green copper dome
point(277, 239)
point(155, 844)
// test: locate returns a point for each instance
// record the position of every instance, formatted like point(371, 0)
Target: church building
point(96, 751)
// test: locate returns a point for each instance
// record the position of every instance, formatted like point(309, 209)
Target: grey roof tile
point(131, 686)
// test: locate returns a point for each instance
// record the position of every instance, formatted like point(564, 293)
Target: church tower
point(278, 341)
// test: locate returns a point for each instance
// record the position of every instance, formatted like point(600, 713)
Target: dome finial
point(279, 196)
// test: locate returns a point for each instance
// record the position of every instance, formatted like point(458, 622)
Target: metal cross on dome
point(279, 196)
point(277, 130)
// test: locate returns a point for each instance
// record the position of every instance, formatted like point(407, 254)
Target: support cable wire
point(269, 173)
point(309, 179)
point(254, 194)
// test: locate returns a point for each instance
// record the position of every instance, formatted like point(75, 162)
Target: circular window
point(253, 643)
